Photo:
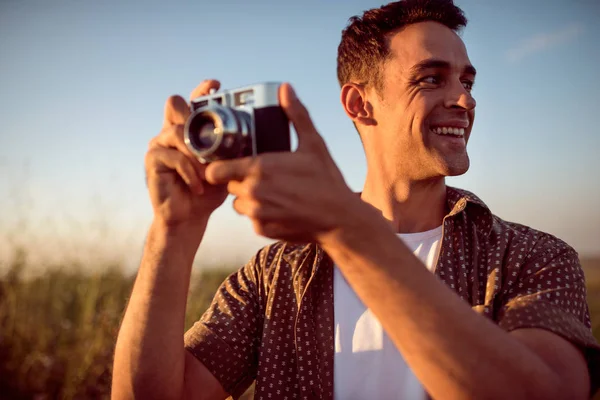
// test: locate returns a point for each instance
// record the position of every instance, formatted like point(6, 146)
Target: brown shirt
point(272, 321)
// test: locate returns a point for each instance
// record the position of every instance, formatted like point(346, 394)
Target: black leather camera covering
point(272, 129)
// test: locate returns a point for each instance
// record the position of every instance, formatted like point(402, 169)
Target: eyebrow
point(435, 63)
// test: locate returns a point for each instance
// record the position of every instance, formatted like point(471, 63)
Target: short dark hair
point(365, 40)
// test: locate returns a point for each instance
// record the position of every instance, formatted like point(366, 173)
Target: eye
point(432, 80)
point(468, 84)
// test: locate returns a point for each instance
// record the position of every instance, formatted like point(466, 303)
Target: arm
point(150, 358)
point(454, 352)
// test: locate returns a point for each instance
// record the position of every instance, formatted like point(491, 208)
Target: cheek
point(423, 104)
point(415, 108)
point(401, 118)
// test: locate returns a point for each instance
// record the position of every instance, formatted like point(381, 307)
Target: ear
point(356, 105)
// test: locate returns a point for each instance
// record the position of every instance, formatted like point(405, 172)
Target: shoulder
point(504, 234)
point(509, 242)
point(532, 244)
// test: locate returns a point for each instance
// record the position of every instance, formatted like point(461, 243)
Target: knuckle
point(173, 102)
point(232, 188)
point(151, 154)
point(152, 143)
point(253, 189)
point(254, 210)
point(152, 160)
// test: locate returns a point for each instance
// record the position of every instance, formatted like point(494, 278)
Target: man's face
point(425, 110)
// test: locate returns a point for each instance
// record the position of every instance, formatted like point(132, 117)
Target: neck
point(410, 206)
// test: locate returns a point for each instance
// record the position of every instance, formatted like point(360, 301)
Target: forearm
point(454, 352)
point(150, 356)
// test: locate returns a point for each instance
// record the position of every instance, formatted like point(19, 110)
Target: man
point(344, 306)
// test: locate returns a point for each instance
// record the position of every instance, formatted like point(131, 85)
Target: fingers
point(308, 137)
point(249, 207)
point(221, 172)
point(168, 151)
point(172, 138)
point(252, 202)
point(177, 110)
point(256, 210)
point(160, 159)
point(204, 88)
point(239, 189)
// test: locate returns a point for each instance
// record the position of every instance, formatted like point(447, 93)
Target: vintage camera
point(237, 123)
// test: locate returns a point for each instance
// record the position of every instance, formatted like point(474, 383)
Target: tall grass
point(58, 330)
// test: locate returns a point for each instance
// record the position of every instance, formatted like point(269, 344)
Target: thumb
point(308, 137)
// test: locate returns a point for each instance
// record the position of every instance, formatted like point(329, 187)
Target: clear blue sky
point(83, 84)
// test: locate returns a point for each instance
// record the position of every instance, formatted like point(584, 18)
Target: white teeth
point(449, 131)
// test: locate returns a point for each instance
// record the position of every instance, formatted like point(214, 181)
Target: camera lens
point(216, 132)
point(203, 135)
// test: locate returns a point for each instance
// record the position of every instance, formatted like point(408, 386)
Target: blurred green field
point(57, 331)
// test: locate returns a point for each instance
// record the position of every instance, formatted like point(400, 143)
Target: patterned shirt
point(272, 321)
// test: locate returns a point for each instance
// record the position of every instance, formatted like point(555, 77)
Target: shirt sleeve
point(226, 339)
point(551, 295)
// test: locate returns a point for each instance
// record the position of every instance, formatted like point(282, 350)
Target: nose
point(459, 97)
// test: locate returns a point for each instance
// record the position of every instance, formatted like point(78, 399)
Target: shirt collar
point(459, 199)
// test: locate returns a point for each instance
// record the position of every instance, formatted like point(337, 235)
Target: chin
point(456, 167)
point(457, 172)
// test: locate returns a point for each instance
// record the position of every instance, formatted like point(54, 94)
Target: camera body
point(236, 123)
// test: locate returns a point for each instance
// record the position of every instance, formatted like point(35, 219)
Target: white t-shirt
point(367, 365)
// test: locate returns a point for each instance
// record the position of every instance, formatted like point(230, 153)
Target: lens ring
point(204, 132)
point(228, 122)
point(192, 125)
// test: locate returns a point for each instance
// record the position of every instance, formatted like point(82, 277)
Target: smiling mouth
point(448, 131)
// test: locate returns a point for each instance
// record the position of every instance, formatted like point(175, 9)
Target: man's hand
point(297, 196)
point(174, 175)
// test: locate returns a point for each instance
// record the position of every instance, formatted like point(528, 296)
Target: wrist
point(191, 227)
point(359, 223)
point(183, 235)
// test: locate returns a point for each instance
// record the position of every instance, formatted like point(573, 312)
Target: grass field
point(57, 331)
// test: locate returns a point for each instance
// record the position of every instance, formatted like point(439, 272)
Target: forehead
point(426, 40)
